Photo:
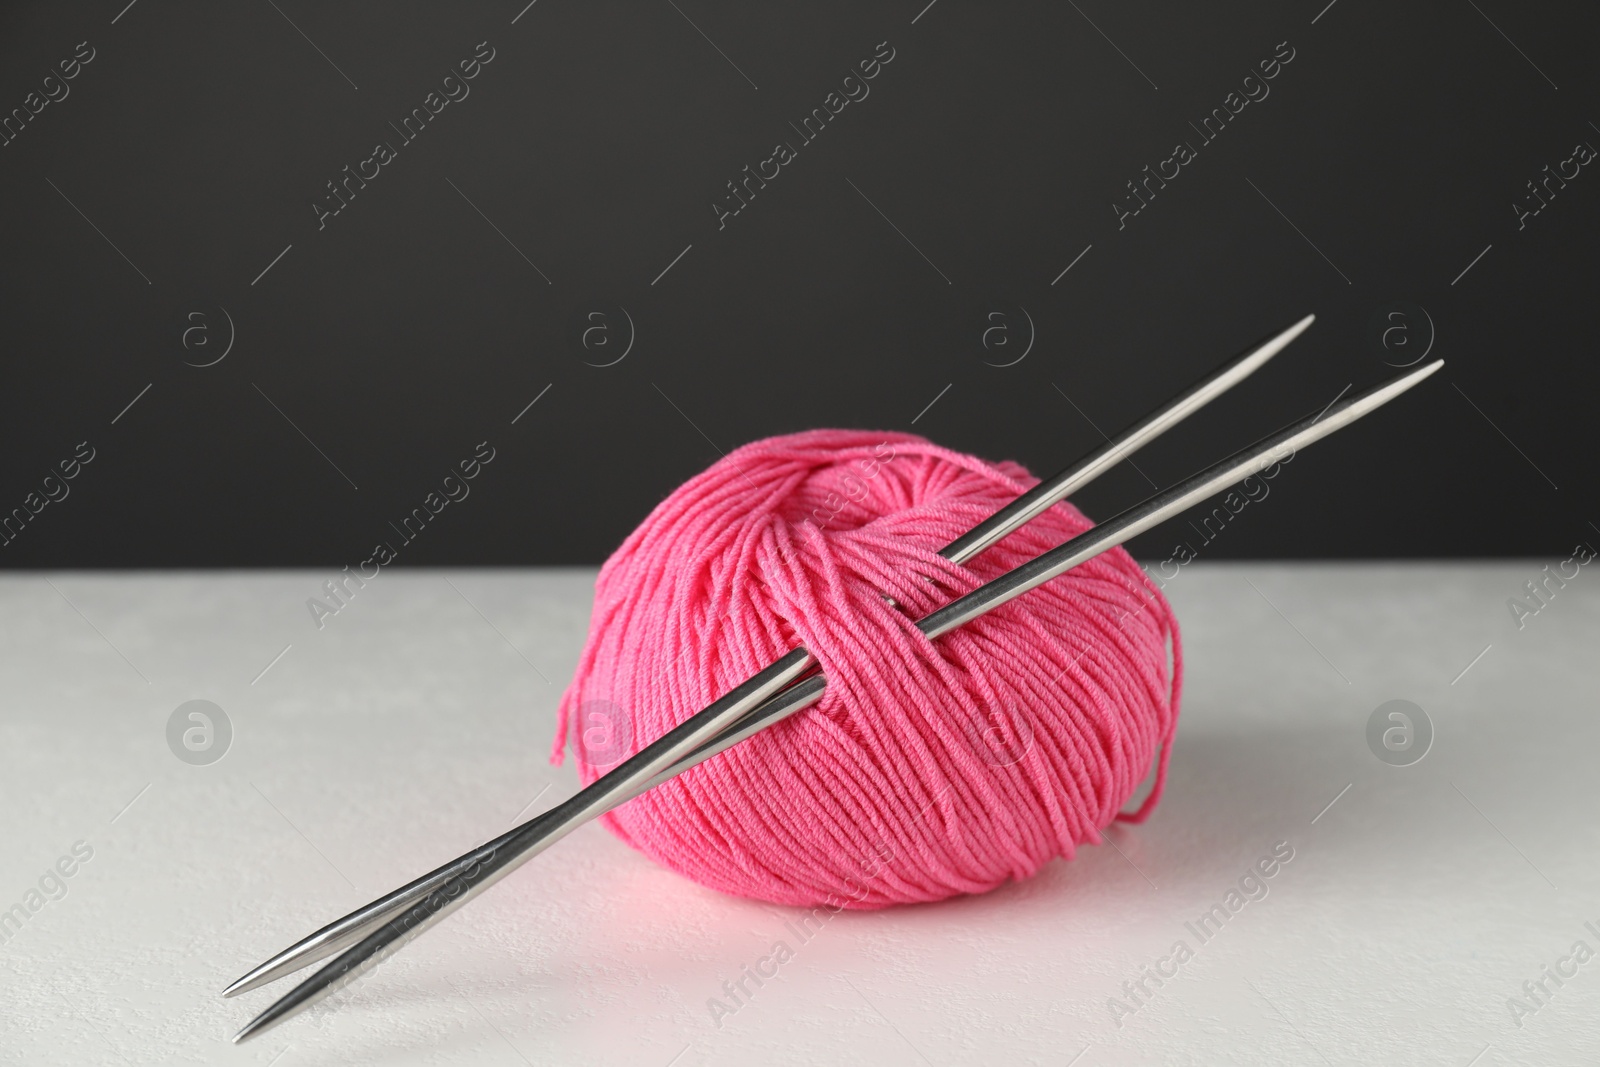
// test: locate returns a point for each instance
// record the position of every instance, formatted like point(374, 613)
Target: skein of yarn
point(929, 768)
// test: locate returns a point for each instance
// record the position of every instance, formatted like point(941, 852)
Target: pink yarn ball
point(929, 768)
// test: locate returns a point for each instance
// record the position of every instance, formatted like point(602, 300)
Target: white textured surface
point(409, 729)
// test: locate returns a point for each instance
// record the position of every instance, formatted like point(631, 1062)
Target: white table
point(417, 722)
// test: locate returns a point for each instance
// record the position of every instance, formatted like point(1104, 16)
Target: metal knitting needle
point(351, 928)
point(643, 770)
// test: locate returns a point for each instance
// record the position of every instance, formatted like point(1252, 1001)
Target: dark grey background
point(186, 158)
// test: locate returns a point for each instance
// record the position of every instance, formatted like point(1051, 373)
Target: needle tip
point(1277, 343)
point(265, 1021)
point(1300, 327)
point(242, 985)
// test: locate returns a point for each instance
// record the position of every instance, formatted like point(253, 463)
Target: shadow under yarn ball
point(929, 768)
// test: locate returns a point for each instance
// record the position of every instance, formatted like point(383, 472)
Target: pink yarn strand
point(929, 768)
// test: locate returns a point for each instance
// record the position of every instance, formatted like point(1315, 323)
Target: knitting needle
point(351, 928)
point(487, 866)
